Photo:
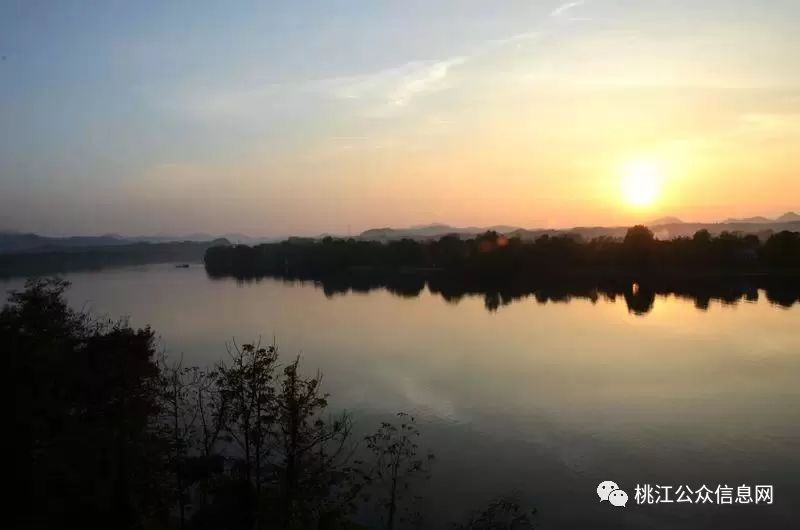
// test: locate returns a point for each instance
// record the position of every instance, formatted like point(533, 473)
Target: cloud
point(429, 79)
point(381, 93)
point(386, 91)
point(564, 8)
point(377, 94)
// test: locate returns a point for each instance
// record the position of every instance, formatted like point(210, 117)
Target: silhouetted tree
point(702, 237)
point(396, 463)
point(180, 416)
point(210, 407)
point(246, 385)
point(86, 414)
point(782, 250)
point(312, 454)
point(505, 513)
point(491, 258)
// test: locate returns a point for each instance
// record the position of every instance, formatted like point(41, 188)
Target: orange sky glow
point(527, 115)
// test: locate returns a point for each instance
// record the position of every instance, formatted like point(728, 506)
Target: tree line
point(493, 255)
point(58, 260)
point(111, 432)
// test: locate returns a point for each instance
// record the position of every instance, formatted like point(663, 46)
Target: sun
point(641, 182)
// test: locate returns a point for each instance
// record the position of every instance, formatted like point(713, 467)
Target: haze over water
point(543, 399)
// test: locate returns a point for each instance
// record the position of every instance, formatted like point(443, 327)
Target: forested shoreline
point(492, 255)
point(638, 268)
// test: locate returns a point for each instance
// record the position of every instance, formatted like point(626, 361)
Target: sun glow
point(641, 182)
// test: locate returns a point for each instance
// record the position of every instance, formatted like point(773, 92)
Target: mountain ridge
point(664, 228)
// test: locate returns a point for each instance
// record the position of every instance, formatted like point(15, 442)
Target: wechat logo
point(608, 490)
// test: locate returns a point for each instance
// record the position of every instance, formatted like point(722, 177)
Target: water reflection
point(639, 293)
point(545, 399)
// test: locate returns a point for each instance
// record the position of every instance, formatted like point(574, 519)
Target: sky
point(301, 118)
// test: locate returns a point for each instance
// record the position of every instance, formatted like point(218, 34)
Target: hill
point(788, 217)
point(664, 228)
point(59, 260)
point(16, 242)
point(431, 231)
point(665, 221)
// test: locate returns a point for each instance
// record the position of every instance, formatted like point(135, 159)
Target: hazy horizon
point(277, 119)
point(669, 218)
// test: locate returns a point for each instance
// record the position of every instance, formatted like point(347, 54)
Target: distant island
point(638, 267)
point(494, 255)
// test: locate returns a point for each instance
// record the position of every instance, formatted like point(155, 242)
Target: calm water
point(545, 400)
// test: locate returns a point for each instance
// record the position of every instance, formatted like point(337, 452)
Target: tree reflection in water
point(639, 292)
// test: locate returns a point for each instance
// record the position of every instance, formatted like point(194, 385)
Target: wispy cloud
point(564, 8)
point(386, 91)
point(565, 13)
point(429, 79)
point(382, 93)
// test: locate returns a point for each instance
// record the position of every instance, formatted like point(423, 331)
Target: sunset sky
point(277, 118)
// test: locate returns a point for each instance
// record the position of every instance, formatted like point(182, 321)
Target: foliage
point(396, 464)
point(496, 256)
point(505, 513)
point(110, 434)
point(246, 385)
point(86, 401)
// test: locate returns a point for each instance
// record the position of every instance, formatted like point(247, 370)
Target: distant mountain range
point(665, 221)
point(665, 228)
point(13, 242)
point(788, 217)
point(432, 230)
